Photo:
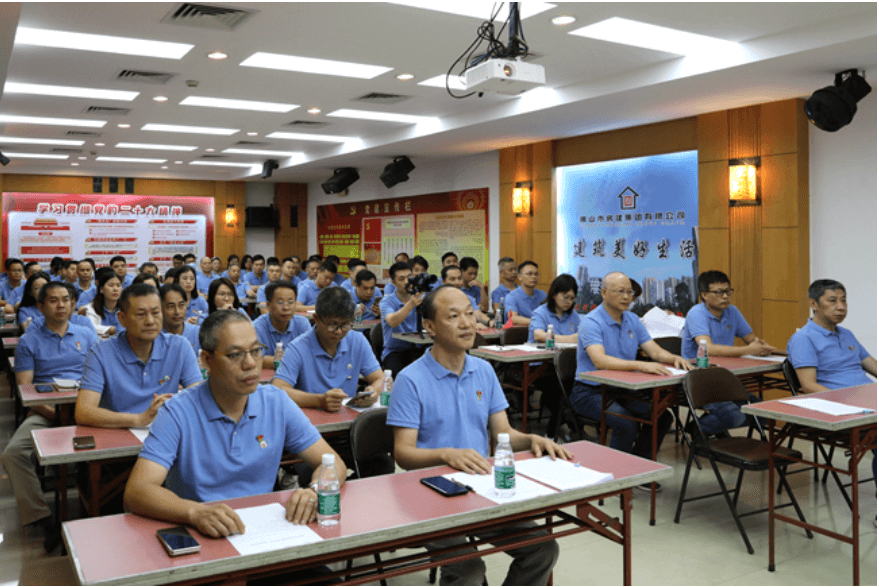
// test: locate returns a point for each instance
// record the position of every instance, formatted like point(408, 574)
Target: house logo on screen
point(628, 199)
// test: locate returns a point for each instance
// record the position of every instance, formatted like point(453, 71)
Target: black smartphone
point(361, 395)
point(178, 541)
point(83, 442)
point(444, 486)
point(43, 388)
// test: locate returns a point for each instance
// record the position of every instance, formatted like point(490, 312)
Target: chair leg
point(738, 488)
point(683, 492)
point(815, 458)
point(431, 578)
point(790, 494)
point(732, 508)
point(827, 459)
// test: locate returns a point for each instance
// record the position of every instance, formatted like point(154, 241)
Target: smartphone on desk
point(44, 388)
point(83, 442)
point(444, 487)
point(178, 541)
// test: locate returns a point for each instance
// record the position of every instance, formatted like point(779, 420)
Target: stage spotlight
point(4, 160)
point(341, 180)
point(833, 107)
point(397, 171)
point(267, 168)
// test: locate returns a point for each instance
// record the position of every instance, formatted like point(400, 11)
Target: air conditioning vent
point(378, 98)
point(107, 111)
point(252, 144)
point(307, 124)
point(205, 16)
point(83, 133)
point(145, 77)
point(214, 156)
point(66, 150)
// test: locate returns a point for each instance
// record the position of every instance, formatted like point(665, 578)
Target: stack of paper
point(773, 358)
point(659, 324)
point(560, 473)
point(350, 404)
point(266, 529)
point(141, 433)
point(484, 486)
point(825, 406)
point(528, 348)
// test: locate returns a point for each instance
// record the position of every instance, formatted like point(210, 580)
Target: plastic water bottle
point(702, 356)
point(328, 495)
point(279, 354)
point(358, 314)
point(2, 317)
point(499, 316)
point(504, 467)
point(204, 371)
point(550, 338)
point(387, 387)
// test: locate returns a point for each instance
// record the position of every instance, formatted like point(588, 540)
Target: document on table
point(350, 405)
point(484, 486)
point(773, 358)
point(560, 473)
point(528, 348)
point(660, 324)
point(825, 406)
point(141, 433)
point(266, 529)
point(675, 371)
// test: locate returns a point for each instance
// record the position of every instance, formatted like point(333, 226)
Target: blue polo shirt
point(701, 322)
point(307, 294)
point(85, 295)
point(190, 333)
point(251, 279)
point(10, 294)
point(349, 287)
point(197, 304)
point(129, 278)
point(449, 411)
point(241, 290)
point(75, 319)
point(126, 384)
point(210, 457)
point(29, 312)
point(619, 340)
point(203, 282)
point(501, 291)
point(542, 318)
point(518, 301)
point(474, 291)
point(339, 279)
point(367, 312)
point(388, 306)
point(49, 355)
point(111, 318)
point(269, 336)
point(307, 366)
point(836, 356)
point(390, 289)
point(303, 275)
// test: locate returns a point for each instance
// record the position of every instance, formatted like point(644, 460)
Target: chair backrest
point(714, 384)
point(371, 438)
point(377, 341)
point(565, 363)
point(790, 375)
point(671, 344)
point(479, 341)
point(514, 335)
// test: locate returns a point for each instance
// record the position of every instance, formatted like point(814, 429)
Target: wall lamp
point(743, 182)
point(231, 215)
point(522, 199)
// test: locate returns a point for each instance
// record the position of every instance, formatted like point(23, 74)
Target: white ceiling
point(788, 50)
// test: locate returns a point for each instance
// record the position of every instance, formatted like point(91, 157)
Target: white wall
point(259, 240)
point(473, 171)
point(842, 177)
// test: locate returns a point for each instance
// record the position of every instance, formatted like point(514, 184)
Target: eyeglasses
point(225, 295)
point(722, 292)
point(531, 275)
point(255, 353)
point(339, 327)
point(289, 304)
point(622, 292)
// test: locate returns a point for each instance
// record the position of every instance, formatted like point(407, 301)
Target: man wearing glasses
point(609, 338)
point(526, 298)
point(280, 324)
point(321, 369)
point(224, 439)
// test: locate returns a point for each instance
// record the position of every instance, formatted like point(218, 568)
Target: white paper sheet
point(560, 473)
point(102, 330)
point(66, 384)
point(773, 358)
point(376, 406)
point(825, 406)
point(484, 486)
point(675, 371)
point(528, 348)
point(660, 325)
point(141, 433)
point(265, 530)
point(559, 345)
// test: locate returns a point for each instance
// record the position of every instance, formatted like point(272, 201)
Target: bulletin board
point(428, 225)
point(37, 227)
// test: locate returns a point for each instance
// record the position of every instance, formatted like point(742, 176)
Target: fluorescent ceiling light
point(198, 130)
point(29, 141)
point(100, 43)
point(155, 147)
point(15, 156)
point(264, 153)
point(382, 116)
point(130, 160)
point(439, 81)
point(651, 36)
point(298, 136)
point(481, 10)
point(224, 164)
point(68, 92)
point(52, 121)
point(238, 104)
point(312, 65)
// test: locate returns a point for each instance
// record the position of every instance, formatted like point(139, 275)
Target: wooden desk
point(124, 548)
point(414, 338)
point(10, 343)
point(661, 392)
point(854, 434)
point(366, 324)
point(63, 401)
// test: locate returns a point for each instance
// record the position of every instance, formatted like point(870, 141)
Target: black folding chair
point(377, 341)
point(565, 363)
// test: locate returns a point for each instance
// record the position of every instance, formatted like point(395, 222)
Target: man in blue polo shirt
point(322, 367)
point(290, 271)
point(472, 286)
point(15, 279)
point(257, 276)
point(52, 349)
point(174, 315)
point(273, 271)
point(308, 290)
point(507, 275)
point(204, 276)
point(127, 378)
point(609, 338)
point(85, 285)
point(526, 298)
point(354, 265)
point(366, 294)
point(441, 409)
point(338, 278)
point(451, 275)
point(224, 439)
point(399, 314)
point(280, 325)
point(120, 268)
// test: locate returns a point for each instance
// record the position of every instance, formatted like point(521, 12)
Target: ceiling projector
point(504, 76)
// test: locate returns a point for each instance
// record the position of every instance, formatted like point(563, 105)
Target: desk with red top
point(124, 549)
point(417, 339)
point(63, 401)
point(855, 434)
point(661, 392)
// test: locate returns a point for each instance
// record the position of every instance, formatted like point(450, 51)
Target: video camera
point(421, 283)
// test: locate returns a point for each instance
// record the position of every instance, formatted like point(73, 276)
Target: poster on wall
point(638, 216)
point(428, 225)
point(37, 227)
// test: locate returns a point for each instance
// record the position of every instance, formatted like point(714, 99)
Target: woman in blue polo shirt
point(28, 311)
point(102, 310)
point(196, 306)
point(558, 310)
point(222, 296)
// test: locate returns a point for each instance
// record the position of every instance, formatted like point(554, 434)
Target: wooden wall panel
point(506, 218)
point(287, 238)
point(714, 249)
point(714, 194)
point(783, 131)
point(780, 190)
point(712, 131)
point(541, 205)
point(780, 321)
point(744, 132)
point(780, 264)
point(745, 263)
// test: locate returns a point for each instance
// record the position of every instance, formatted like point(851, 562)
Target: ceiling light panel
point(224, 164)
point(155, 147)
point(298, 136)
point(30, 141)
point(202, 130)
point(651, 36)
point(439, 81)
point(381, 116)
point(68, 92)
point(481, 10)
point(15, 156)
point(263, 153)
point(51, 121)
point(100, 43)
point(130, 160)
point(312, 65)
point(238, 104)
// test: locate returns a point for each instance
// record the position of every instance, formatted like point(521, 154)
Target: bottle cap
point(503, 438)
point(387, 373)
point(329, 460)
point(280, 345)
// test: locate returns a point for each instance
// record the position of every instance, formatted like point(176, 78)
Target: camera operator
point(399, 314)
